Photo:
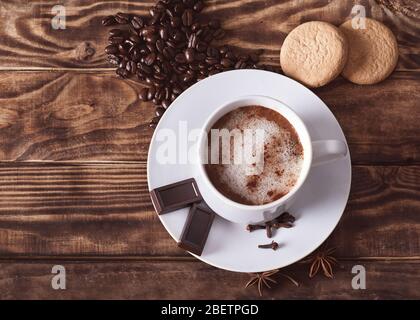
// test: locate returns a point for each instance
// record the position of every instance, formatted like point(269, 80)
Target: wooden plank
point(381, 121)
point(79, 209)
point(28, 39)
point(72, 116)
point(104, 209)
point(382, 215)
point(170, 280)
point(82, 116)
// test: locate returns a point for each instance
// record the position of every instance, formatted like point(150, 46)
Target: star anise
point(263, 278)
point(322, 259)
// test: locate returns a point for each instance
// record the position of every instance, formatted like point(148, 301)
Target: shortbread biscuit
point(373, 52)
point(314, 53)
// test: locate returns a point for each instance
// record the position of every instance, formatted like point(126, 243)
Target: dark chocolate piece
point(197, 228)
point(175, 196)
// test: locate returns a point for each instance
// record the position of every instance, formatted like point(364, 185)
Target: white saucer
point(320, 203)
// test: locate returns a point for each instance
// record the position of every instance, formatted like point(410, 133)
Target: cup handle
point(325, 151)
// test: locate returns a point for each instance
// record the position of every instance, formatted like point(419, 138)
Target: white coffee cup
point(315, 153)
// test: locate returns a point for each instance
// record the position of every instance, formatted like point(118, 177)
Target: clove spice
point(268, 229)
point(252, 227)
point(285, 220)
point(273, 245)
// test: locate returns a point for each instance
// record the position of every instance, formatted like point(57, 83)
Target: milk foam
point(275, 173)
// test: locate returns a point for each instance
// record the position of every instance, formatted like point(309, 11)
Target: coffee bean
point(151, 38)
point(180, 69)
point(175, 22)
point(179, 9)
point(157, 68)
point(116, 39)
point(122, 18)
point(160, 57)
point(163, 32)
point(133, 66)
point(111, 49)
point(160, 111)
point(122, 49)
point(128, 66)
point(187, 18)
point(148, 31)
point(153, 123)
point(219, 34)
point(144, 50)
point(200, 57)
point(189, 3)
point(176, 90)
point(192, 40)
point(170, 50)
point(160, 45)
point(144, 68)
point(171, 44)
point(190, 54)
point(109, 21)
point(137, 22)
point(169, 12)
point(167, 93)
point(240, 64)
point(180, 58)
point(151, 93)
point(154, 20)
point(213, 52)
point(201, 46)
point(143, 94)
point(166, 103)
point(211, 60)
point(226, 63)
point(178, 36)
point(198, 6)
point(134, 38)
point(128, 43)
point(116, 32)
point(230, 55)
point(160, 76)
point(208, 36)
point(195, 27)
point(113, 59)
point(155, 12)
point(150, 59)
point(166, 67)
point(122, 73)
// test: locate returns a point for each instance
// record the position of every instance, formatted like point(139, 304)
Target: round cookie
point(314, 53)
point(373, 52)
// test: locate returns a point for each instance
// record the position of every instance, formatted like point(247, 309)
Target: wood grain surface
point(85, 116)
point(28, 40)
point(105, 209)
point(195, 280)
point(73, 151)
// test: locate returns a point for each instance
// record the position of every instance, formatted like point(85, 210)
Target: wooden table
point(73, 150)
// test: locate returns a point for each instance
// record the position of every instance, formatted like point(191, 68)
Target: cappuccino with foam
point(269, 169)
